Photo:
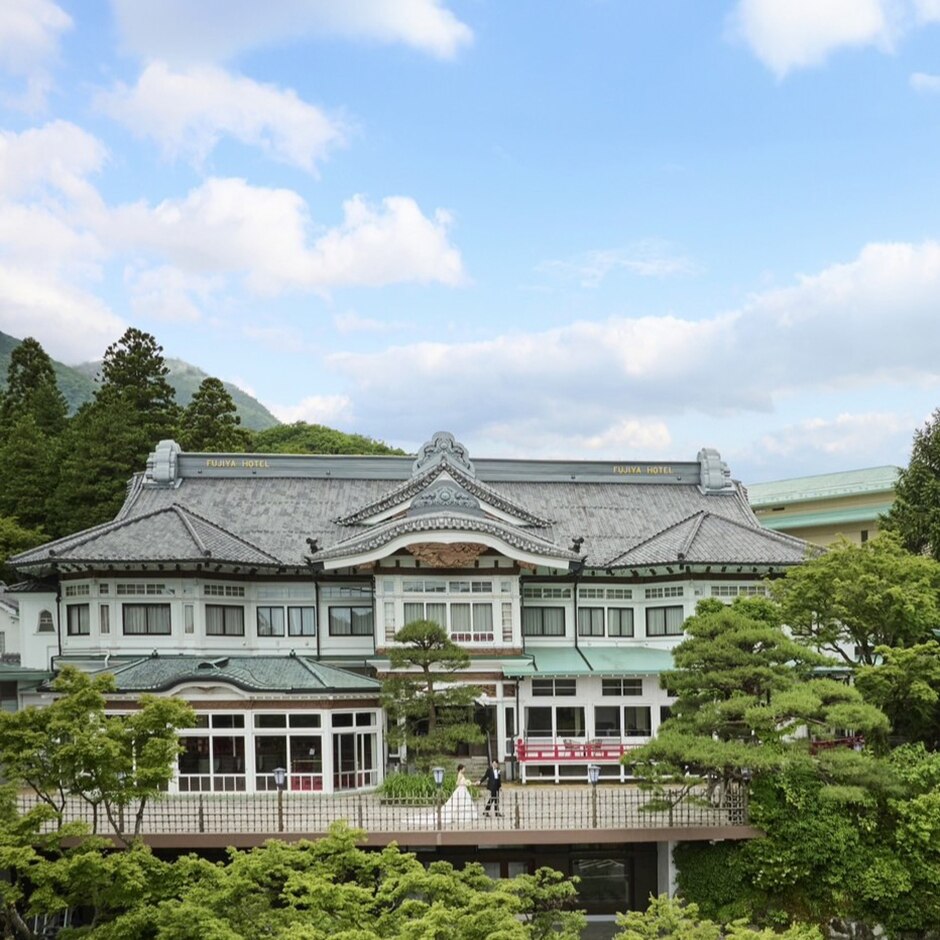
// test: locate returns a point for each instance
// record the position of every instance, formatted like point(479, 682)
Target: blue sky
point(590, 229)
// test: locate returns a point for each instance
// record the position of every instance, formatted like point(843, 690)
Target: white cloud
point(928, 11)
point(166, 293)
point(227, 226)
point(29, 42)
point(216, 30)
point(188, 111)
point(844, 434)
point(352, 322)
point(332, 410)
point(71, 324)
point(58, 155)
point(605, 384)
point(793, 34)
point(648, 258)
point(921, 81)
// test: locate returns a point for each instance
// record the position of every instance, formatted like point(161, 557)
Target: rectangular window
point(390, 626)
point(636, 721)
point(543, 621)
point(537, 591)
point(78, 619)
point(675, 590)
point(126, 589)
point(538, 722)
point(664, 621)
point(189, 621)
point(350, 621)
point(620, 621)
point(104, 618)
point(270, 621)
point(507, 623)
point(146, 619)
point(301, 621)
point(607, 721)
point(621, 686)
point(543, 687)
point(591, 621)
point(569, 721)
point(225, 620)
point(471, 623)
point(76, 590)
point(223, 590)
point(554, 686)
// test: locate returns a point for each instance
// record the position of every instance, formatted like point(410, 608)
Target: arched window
point(45, 622)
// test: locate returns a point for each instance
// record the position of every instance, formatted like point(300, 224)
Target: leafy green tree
point(210, 422)
point(855, 598)
point(303, 438)
point(72, 748)
point(32, 390)
point(676, 920)
point(14, 538)
point(333, 890)
point(915, 514)
point(905, 685)
point(429, 710)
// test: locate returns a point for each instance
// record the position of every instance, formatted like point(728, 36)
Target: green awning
point(549, 661)
point(592, 661)
point(627, 660)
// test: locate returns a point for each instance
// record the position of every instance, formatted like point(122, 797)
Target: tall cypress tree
point(915, 513)
point(210, 421)
point(32, 390)
point(110, 438)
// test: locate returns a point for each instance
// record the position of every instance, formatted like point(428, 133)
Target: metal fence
point(562, 808)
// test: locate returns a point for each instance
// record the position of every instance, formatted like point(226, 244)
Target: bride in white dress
point(459, 808)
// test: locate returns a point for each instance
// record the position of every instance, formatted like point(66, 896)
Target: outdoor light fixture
point(438, 775)
point(594, 773)
point(280, 777)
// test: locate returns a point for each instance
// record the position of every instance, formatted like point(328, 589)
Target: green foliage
point(905, 685)
point(855, 598)
point(31, 390)
point(915, 513)
point(72, 748)
point(419, 787)
point(325, 890)
point(29, 471)
point(303, 438)
point(429, 711)
point(15, 538)
point(675, 920)
point(210, 423)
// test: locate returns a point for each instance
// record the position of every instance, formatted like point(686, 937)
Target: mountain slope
point(77, 384)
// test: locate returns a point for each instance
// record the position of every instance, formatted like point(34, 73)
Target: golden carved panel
point(447, 555)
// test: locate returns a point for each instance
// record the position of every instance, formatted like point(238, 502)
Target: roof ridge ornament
point(716, 476)
point(161, 464)
point(443, 448)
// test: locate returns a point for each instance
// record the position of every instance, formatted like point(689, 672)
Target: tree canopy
point(855, 598)
point(210, 421)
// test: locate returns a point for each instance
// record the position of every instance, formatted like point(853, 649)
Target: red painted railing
point(560, 752)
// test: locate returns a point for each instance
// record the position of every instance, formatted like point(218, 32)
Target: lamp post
point(594, 773)
point(438, 774)
point(280, 781)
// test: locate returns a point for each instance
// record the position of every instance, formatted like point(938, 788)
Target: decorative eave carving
point(447, 555)
point(443, 447)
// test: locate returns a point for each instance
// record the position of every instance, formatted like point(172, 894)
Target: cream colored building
point(825, 507)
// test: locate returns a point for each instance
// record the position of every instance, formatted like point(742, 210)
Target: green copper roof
point(823, 486)
point(802, 520)
point(287, 674)
point(592, 661)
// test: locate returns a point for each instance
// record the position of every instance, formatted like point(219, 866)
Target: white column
point(665, 869)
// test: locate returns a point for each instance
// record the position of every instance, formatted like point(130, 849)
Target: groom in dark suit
point(493, 781)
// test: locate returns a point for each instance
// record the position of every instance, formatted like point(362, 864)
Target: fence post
point(359, 811)
point(280, 810)
point(202, 815)
point(516, 820)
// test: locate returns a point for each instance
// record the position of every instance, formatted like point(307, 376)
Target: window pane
point(270, 621)
point(225, 620)
point(413, 612)
point(570, 721)
point(607, 721)
point(538, 722)
point(146, 619)
point(301, 621)
point(636, 721)
point(591, 621)
point(438, 614)
point(620, 621)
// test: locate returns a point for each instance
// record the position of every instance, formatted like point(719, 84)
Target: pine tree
point(210, 421)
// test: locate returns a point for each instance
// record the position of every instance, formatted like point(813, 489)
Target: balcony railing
point(567, 809)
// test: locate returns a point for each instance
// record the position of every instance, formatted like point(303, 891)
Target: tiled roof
point(287, 674)
point(707, 539)
point(170, 533)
